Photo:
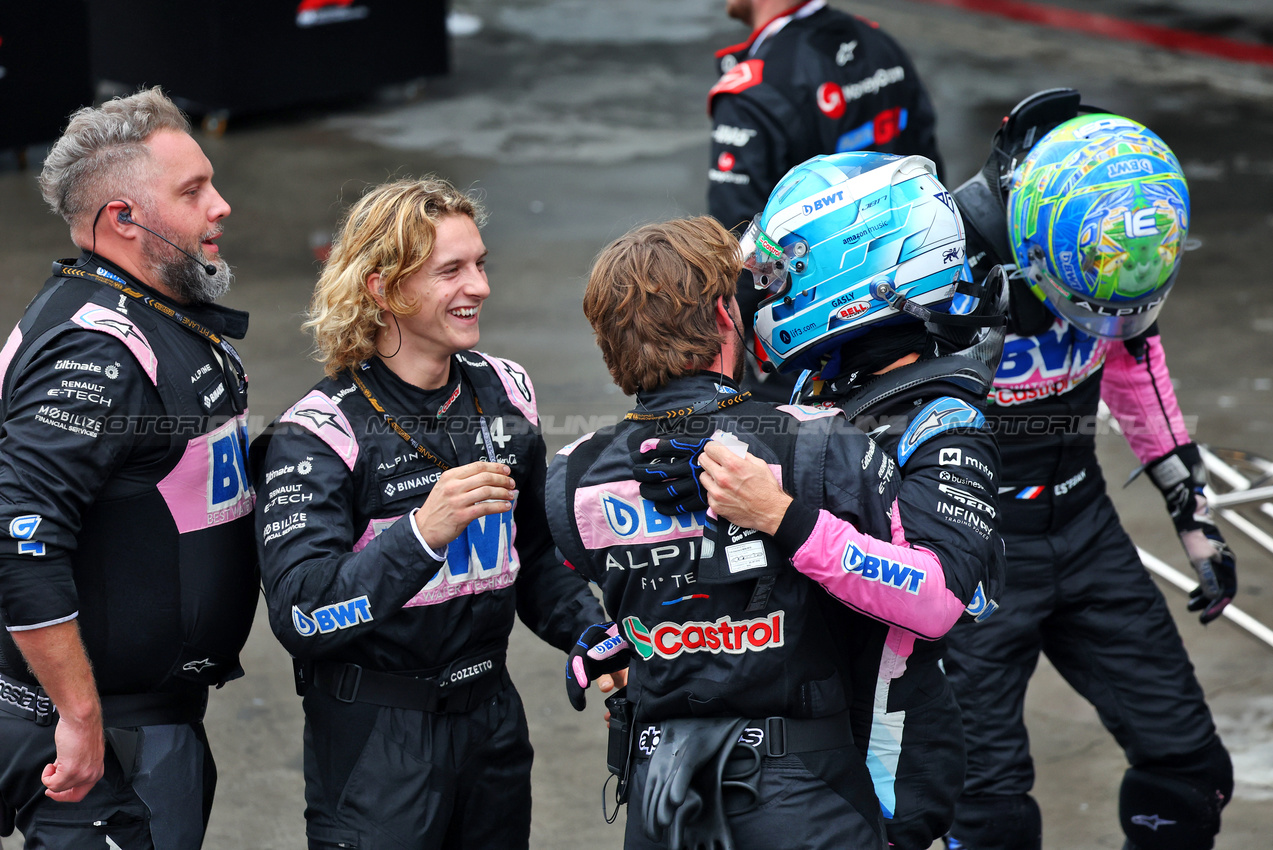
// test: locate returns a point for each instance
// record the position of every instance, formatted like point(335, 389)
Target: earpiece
point(125, 217)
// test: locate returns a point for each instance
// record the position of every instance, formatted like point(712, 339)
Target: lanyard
point(716, 404)
point(172, 314)
point(429, 456)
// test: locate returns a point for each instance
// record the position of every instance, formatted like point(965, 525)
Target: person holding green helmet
point(1093, 210)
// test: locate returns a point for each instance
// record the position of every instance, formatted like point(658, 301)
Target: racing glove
point(668, 474)
point(671, 801)
point(600, 649)
point(1181, 476)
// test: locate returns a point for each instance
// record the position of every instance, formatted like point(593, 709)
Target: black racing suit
point(414, 735)
point(125, 495)
point(1076, 588)
point(813, 81)
point(850, 552)
point(905, 716)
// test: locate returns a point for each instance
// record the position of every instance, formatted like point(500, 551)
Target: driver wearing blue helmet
point(862, 259)
point(1093, 209)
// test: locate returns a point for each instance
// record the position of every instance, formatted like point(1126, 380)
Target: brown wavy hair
point(391, 230)
point(651, 299)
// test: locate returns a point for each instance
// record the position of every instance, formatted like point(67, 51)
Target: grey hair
point(98, 156)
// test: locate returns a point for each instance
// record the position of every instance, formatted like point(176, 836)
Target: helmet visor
point(1105, 319)
point(764, 258)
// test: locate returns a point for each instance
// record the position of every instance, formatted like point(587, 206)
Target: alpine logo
point(670, 640)
point(892, 573)
point(313, 13)
point(330, 618)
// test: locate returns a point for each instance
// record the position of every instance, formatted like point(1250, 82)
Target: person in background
point(809, 80)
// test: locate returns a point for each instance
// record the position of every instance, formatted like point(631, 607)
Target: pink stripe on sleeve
point(897, 584)
point(1141, 397)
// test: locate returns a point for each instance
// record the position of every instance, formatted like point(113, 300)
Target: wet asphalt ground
point(578, 120)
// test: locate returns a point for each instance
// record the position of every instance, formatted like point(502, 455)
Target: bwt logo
point(1131, 166)
point(824, 202)
point(981, 606)
point(330, 618)
point(892, 573)
point(23, 529)
point(481, 552)
point(627, 520)
point(228, 477)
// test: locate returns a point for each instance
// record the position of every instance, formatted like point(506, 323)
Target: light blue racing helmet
point(848, 243)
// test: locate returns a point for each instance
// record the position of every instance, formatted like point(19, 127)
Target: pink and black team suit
point(126, 499)
point(844, 551)
point(1076, 589)
point(414, 733)
point(928, 416)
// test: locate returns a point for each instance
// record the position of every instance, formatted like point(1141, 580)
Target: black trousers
point(1081, 595)
point(808, 801)
point(379, 777)
point(156, 792)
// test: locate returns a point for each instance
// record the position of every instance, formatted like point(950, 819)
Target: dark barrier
point(44, 68)
point(218, 57)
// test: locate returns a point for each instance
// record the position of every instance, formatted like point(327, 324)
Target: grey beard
point(186, 279)
point(190, 283)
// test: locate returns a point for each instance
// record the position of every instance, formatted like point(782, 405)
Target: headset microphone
point(126, 218)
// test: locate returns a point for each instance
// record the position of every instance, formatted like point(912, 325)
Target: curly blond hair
point(391, 230)
point(651, 299)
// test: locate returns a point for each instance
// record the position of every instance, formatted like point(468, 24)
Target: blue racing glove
point(600, 649)
point(1181, 476)
point(668, 474)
